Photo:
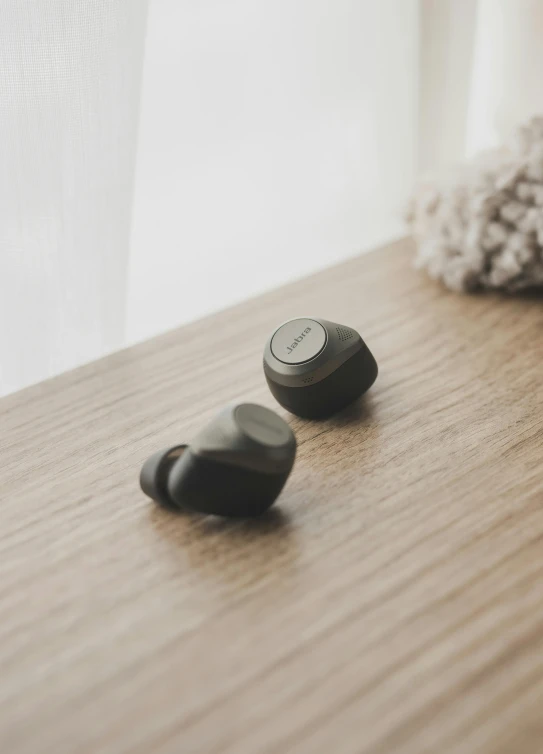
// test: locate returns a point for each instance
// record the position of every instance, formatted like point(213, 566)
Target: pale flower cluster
point(481, 227)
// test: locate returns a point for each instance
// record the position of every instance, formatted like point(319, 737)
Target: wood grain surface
point(391, 602)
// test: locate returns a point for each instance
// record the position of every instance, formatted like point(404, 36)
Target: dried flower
point(482, 226)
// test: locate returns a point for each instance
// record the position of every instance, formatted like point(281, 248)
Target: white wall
point(276, 137)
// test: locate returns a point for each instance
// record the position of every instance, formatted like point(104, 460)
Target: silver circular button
point(298, 341)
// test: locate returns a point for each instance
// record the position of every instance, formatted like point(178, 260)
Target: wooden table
point(392, 601)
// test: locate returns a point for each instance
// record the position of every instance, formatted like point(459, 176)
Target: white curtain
point(70, 82)
point(507, 81)
point(253, 142)
point(481, 68)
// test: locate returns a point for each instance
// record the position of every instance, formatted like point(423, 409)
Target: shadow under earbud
point(271, 522)
point(358, 412)
point(240, 551)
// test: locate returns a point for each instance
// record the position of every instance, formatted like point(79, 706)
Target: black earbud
point(314, 367)
point(236, 466)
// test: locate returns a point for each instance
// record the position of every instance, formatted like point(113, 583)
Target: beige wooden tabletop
point(392, 601)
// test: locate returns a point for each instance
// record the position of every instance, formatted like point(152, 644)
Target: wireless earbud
point(314, 367)
point(236, 466)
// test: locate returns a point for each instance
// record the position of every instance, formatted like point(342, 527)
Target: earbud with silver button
point(314, 367)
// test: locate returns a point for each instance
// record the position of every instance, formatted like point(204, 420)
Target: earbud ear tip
point(155, 472)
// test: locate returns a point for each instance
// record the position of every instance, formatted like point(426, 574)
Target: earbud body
point(314, 367)
point(236, 466)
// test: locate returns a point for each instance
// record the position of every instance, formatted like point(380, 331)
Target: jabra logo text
point(297, 340)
